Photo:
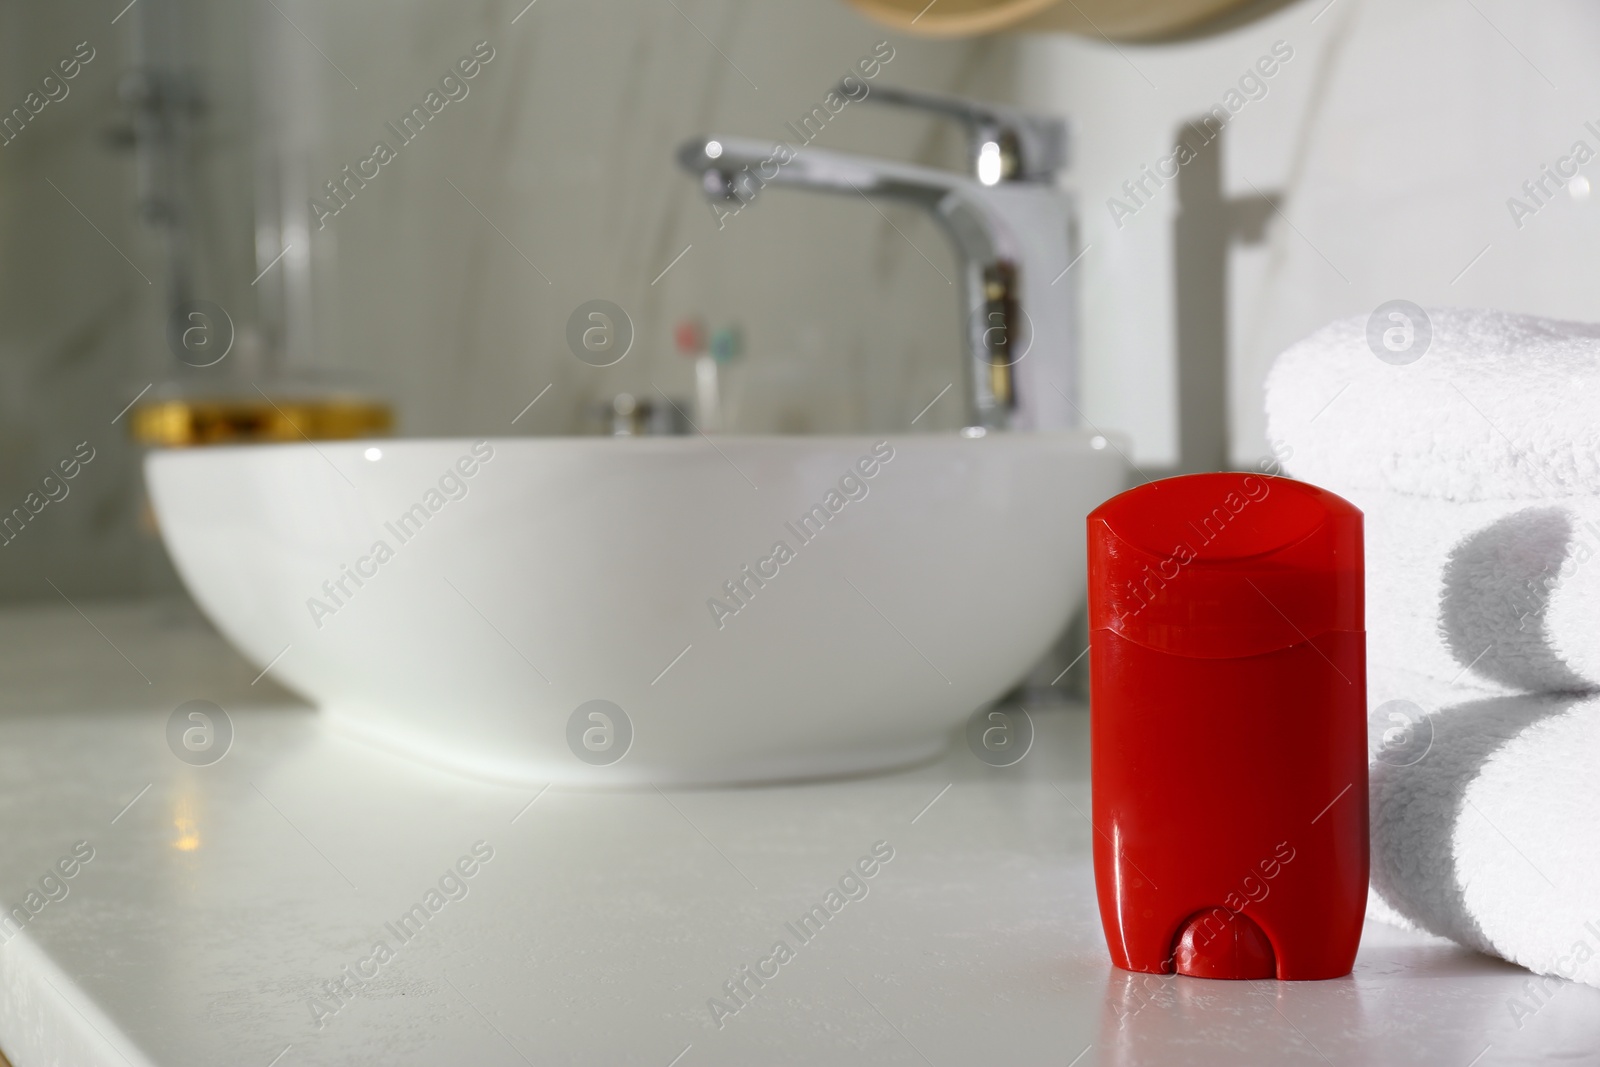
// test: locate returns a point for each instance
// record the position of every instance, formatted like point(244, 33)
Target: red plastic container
point(1228, 724)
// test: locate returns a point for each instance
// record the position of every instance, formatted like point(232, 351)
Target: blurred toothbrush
point(690, 336)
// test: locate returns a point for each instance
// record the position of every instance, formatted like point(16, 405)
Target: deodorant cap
point(1225, 565)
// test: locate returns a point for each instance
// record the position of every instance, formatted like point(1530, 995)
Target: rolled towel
point(1486, 826)
point(1503, 595)
point(1400, 705)
point(1398, 700)
point(1478, 467)
point(1496, 406)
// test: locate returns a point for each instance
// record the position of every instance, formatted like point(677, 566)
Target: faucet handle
point(1007, 144)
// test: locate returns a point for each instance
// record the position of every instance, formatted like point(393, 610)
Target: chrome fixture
point(1010, 225)
point(1004, 144)
point(626, 415)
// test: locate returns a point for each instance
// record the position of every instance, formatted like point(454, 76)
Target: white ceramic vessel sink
point(465, 602)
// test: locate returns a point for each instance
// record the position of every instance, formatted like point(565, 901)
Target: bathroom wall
point(554, 182)
point(82, 283)
point(447, 281)
point(1395, 136)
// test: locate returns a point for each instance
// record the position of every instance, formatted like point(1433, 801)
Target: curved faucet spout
point(736, 170)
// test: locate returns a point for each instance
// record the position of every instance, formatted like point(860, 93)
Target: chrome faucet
point(1010, 225)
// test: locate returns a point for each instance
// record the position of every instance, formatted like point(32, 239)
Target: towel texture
point(1504, 595)
point(1484, 823)
point(1477, 467)
point(1498, 407)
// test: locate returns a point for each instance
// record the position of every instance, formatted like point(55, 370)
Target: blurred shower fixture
point(165, 105)
point(231, 379)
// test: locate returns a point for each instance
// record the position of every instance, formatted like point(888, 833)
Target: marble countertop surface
point(309, 900)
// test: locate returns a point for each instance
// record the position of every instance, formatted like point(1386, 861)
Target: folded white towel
point(1497, 407)
point(1485, 816)
point(1477, 465)
point(1504, 595)
point(1400, 704)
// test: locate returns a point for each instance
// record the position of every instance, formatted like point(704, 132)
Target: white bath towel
point(1502, 595)
point(1486, 822)
point(1477, 465)
point(1400, 703)
point(1496, 406)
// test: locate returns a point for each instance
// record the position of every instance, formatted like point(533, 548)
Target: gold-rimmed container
point(178, 417)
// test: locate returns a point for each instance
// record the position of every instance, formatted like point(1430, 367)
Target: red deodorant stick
point(1228, 725)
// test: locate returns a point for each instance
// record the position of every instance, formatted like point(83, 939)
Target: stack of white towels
point(1477, 466)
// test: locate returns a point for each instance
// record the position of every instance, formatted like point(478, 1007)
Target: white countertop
point(221, 901)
